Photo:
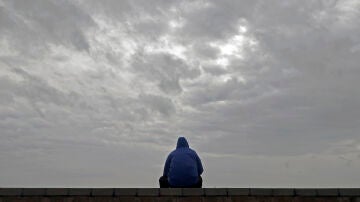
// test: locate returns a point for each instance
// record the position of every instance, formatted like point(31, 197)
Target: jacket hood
point(182, 143)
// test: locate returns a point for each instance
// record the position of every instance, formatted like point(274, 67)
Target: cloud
point(28, 26)
point(164, 69)
point(252, 84)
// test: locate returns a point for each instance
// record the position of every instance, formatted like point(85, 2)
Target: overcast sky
point(96, 93)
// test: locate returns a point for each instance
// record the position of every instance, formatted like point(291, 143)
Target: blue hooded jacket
point(183, 166)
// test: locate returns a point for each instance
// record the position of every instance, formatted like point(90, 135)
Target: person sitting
point(182, 168)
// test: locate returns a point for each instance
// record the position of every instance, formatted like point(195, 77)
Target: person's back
point(182, 167)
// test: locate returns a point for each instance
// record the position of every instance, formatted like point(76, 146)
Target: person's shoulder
point(173, 152)
point(192, 151)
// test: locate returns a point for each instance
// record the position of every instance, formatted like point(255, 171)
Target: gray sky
point(95, 93)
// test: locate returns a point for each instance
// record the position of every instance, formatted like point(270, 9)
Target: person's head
point(182, 143)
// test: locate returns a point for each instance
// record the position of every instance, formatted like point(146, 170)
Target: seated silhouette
point(182, 168)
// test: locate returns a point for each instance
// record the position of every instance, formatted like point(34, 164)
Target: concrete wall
point(177, 195)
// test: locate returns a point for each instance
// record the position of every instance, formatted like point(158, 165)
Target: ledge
point(181, 192)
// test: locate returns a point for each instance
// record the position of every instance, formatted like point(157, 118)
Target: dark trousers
point(164, 183)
